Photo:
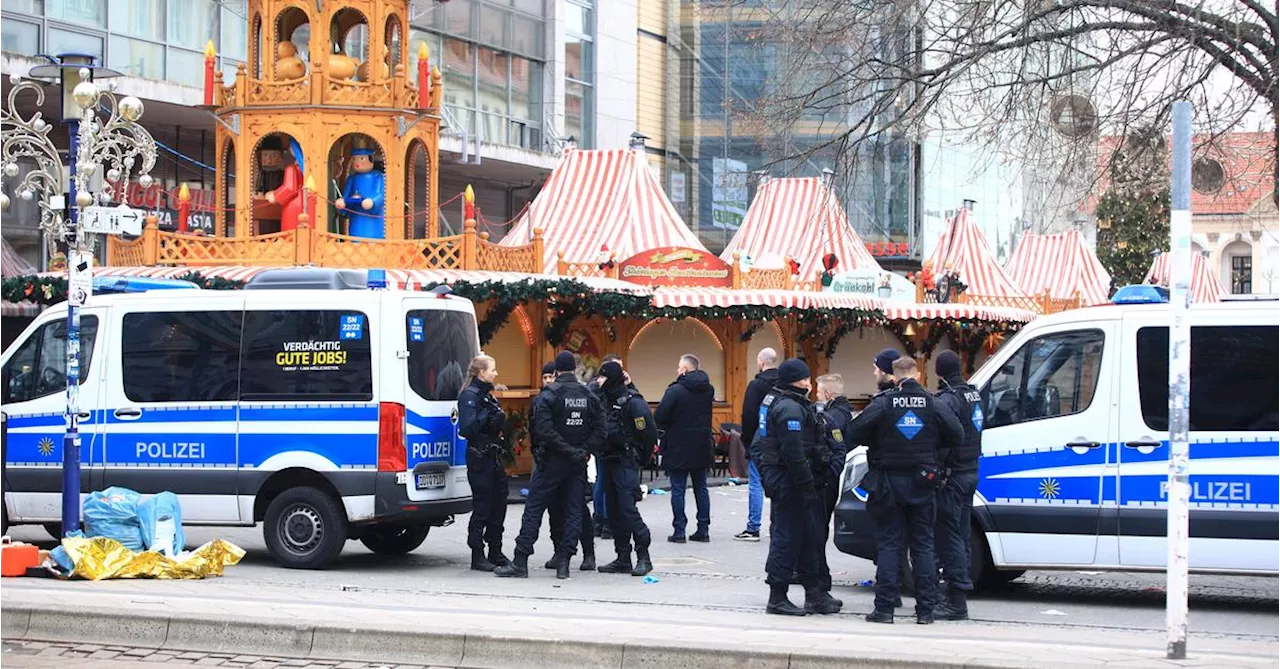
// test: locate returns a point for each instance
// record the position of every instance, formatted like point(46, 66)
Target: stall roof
point(11, 265)
point(803, 219)
point(790, 299)
point(596, 199)
point(964, 248)
point(399, 278)
point(1205, 284)
point(900, 312)
point(1063, 264)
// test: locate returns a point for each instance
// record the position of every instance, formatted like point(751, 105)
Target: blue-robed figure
point(364, 197)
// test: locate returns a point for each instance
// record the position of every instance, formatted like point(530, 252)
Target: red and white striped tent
point(11, 265)
point(1062, 264)
point(596, 199)
point(803, 219)
point(964, 248)
point(1205, 284)
point(902, 312)
point(790, 299)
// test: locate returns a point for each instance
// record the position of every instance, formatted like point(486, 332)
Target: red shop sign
point(676, 266)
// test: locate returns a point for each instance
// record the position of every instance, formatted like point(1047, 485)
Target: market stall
point(1205, 284)
point(1061, 269)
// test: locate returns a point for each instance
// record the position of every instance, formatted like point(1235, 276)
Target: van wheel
point(394, 539)
point(304, 528)
point(982, 570)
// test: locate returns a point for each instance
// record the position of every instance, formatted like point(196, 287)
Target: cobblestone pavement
point(44, 655)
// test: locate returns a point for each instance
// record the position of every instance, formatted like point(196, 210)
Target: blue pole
point(71, 441)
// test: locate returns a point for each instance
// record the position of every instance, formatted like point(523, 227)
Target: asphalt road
point(728, 575)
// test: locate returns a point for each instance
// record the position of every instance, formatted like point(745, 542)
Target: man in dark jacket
point(955, 500)
point(555, 511)
point(632, 435)
point(600, 523)
point(767, 363)
point(684, 415)
point(569, 425)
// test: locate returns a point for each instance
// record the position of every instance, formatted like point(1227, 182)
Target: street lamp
point(637, 141)
point(113, 148)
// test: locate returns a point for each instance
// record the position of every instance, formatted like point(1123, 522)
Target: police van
point(1075, 447)
point(312, 401)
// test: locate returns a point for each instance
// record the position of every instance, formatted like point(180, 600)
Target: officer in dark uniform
point(556, 510)
point(569, 425)
point(788, 439)
point(480, 422)
point(632, 436)
point(836, 415)
point(906, 428)
point(955, 500)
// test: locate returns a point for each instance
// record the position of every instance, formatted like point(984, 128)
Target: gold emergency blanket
point(99, 558)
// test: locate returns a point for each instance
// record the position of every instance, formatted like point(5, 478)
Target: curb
point(409, 646)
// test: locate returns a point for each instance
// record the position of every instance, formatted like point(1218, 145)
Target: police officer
point(955, 500)
point(905, 428)
point(569, 425)
point(788, 437)
point(632, 436)
point(480, 421)
point(836, 414)
point(556, 510)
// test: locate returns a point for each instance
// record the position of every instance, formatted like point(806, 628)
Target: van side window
point(1233, 378)
point(307, 355)
point(39, 366)
point(1054, 375)
point(181, 356)
point(440, 352)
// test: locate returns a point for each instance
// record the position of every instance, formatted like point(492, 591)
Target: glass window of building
point(187, 67)
point(459, 17)
point(66, 41)
point(534, 7)
point(235, 34)
point(32, 7)
point(494, 25)
point(579, 95)
point(136, 57)
point(87, 12)
point(19, 36)
point(192, 23)
point(526, 36)
point(459, 79)
point(140, 18)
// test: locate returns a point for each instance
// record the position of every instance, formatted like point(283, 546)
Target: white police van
point(307, 402)
point(1075, 447)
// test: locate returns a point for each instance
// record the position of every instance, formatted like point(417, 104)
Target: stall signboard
point(162, 202)
point(676, 266)
point(874, 283)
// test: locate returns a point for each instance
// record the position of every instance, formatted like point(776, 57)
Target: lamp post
point(110, 148)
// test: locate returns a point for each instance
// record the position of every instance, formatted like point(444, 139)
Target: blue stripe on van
point(344, 450)
point(441, 442)
point(360, 412)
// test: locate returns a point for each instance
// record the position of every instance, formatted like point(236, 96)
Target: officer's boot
point(588, 561)
point(551, 563)
point(643, 564)
point(496, 556)
point(517, 568)
point(562, 567)
point(479, 562)
point(817, 600)
point(779, 604)
point(955, 607)
point(622, 565)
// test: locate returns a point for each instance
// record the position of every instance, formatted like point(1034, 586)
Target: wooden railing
point(305, 246)
point(317, 87)
point(583, 269)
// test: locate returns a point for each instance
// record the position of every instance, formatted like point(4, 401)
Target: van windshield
point(441, 344)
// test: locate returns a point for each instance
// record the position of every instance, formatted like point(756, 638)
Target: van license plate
point(430, 480)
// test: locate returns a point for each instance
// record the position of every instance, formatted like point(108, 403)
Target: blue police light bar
point(376, 278)
point(108, 285)
point(1141, 294)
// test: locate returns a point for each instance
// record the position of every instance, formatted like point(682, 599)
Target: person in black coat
point(480, 422)
point(684, 415)
point(767, 363)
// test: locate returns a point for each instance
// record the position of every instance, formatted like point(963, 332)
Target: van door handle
point(1142, 444)
point(85, 415)
point(128, 414)
point(1083, 444)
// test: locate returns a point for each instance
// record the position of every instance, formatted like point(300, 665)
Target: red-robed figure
point(289, 194)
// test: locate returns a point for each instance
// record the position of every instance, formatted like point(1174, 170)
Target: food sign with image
point(874, 283)
point(676, 266)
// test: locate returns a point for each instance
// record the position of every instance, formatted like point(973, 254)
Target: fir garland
point(49, 290)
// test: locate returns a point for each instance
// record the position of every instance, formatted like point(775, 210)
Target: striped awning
point(1205, 284)
point(1063, 264)
point(903, 312)
point(399, 278)
point(601, 199)
point(788, 299)
point(803, 219)
point(12, 264)
point(23, 308)
point(964, 248)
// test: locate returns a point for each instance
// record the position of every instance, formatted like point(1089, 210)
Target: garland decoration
point(49, 290)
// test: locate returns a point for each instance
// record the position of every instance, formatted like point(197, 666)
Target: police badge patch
point(837, 434)
point(639, 421)
point(793, 425)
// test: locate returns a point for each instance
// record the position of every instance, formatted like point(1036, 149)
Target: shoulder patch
point(640, 422)
point(768, 399)
point(793, 426)
point(837, 434)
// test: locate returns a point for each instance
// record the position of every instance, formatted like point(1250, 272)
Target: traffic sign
point(80, 287)
point(111, 220)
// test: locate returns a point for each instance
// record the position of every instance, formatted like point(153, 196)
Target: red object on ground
point(16, 558)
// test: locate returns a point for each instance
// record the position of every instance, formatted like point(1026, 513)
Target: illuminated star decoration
point(45, 446)
point(1050, 489)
